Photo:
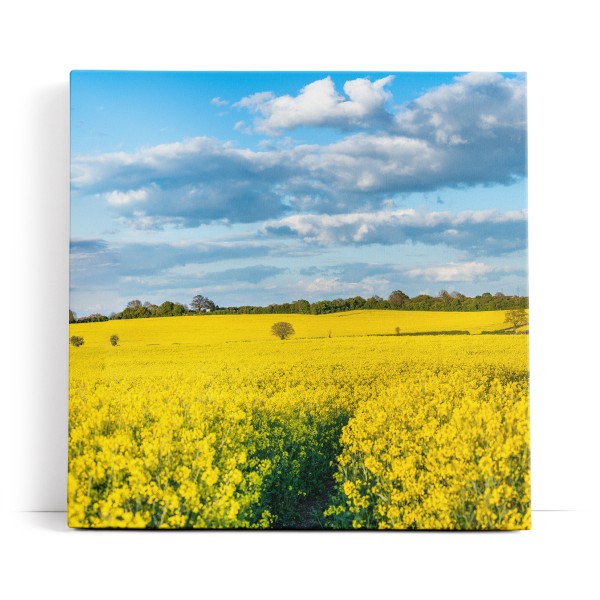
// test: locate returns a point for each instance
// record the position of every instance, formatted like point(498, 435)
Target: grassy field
point(212, 422)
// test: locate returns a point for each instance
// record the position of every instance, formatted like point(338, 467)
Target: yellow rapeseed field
point(212, 422)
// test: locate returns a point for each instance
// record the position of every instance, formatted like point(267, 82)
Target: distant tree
point(200, 303)
point(517, 317)
point(282, 330)
point(422, 302)
point(178, 309)
point(72, 316)
point(373, 301)
point(397, 299)
point(322, 307)
point(135, 312)
point(444, 298)
point(134, 304)
point(356, 303)
point(301, 306)
point(151, 308)
point(397, 330)
point(93, 318)
point(338, 305)
point(114, 340)
point(165, 309)
point(76, 341)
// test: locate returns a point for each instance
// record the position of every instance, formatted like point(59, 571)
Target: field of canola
point(212, 422)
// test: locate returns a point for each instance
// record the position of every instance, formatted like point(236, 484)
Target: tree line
point(397, 300)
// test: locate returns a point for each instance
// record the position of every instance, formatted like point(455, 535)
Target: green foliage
point(397, 300)
point(202, 304)
point(76, 341)
point(136, 310)
point(114, 340)
point(93, 318)
point(282, 330)
point(517, 317)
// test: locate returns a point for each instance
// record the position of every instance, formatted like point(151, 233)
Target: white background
point(556, 43)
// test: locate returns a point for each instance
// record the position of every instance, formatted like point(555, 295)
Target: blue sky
point(261, 187)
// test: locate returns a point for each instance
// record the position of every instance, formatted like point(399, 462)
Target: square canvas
point(298, 300)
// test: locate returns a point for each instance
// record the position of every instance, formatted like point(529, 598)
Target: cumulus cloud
point(471, 132)
point(330, 285)
point(204, 181)
point(454, 272)
point(481, 122)
point(365, 278)
point(475, 124)
point(120, 198)
point(347, 279)
point(172, 164)
point(323, 286)
point(319, 105)
point(486, 232)
point(187, 183)
point(475, 105)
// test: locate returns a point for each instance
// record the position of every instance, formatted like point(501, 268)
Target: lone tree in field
point(282, 330)
point(516, 317)
point(76, 341)
point(114, 340)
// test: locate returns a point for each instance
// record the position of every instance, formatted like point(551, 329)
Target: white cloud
point(319, 105)
point(479, 117)
point(255, 100)
point(477, 106)
point(117, 198)
point(468, 133)
point(219, 102)
point(323, 286)
point(452, 272)
point(485, 231)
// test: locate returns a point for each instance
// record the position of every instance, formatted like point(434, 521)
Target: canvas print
point(299, 300)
